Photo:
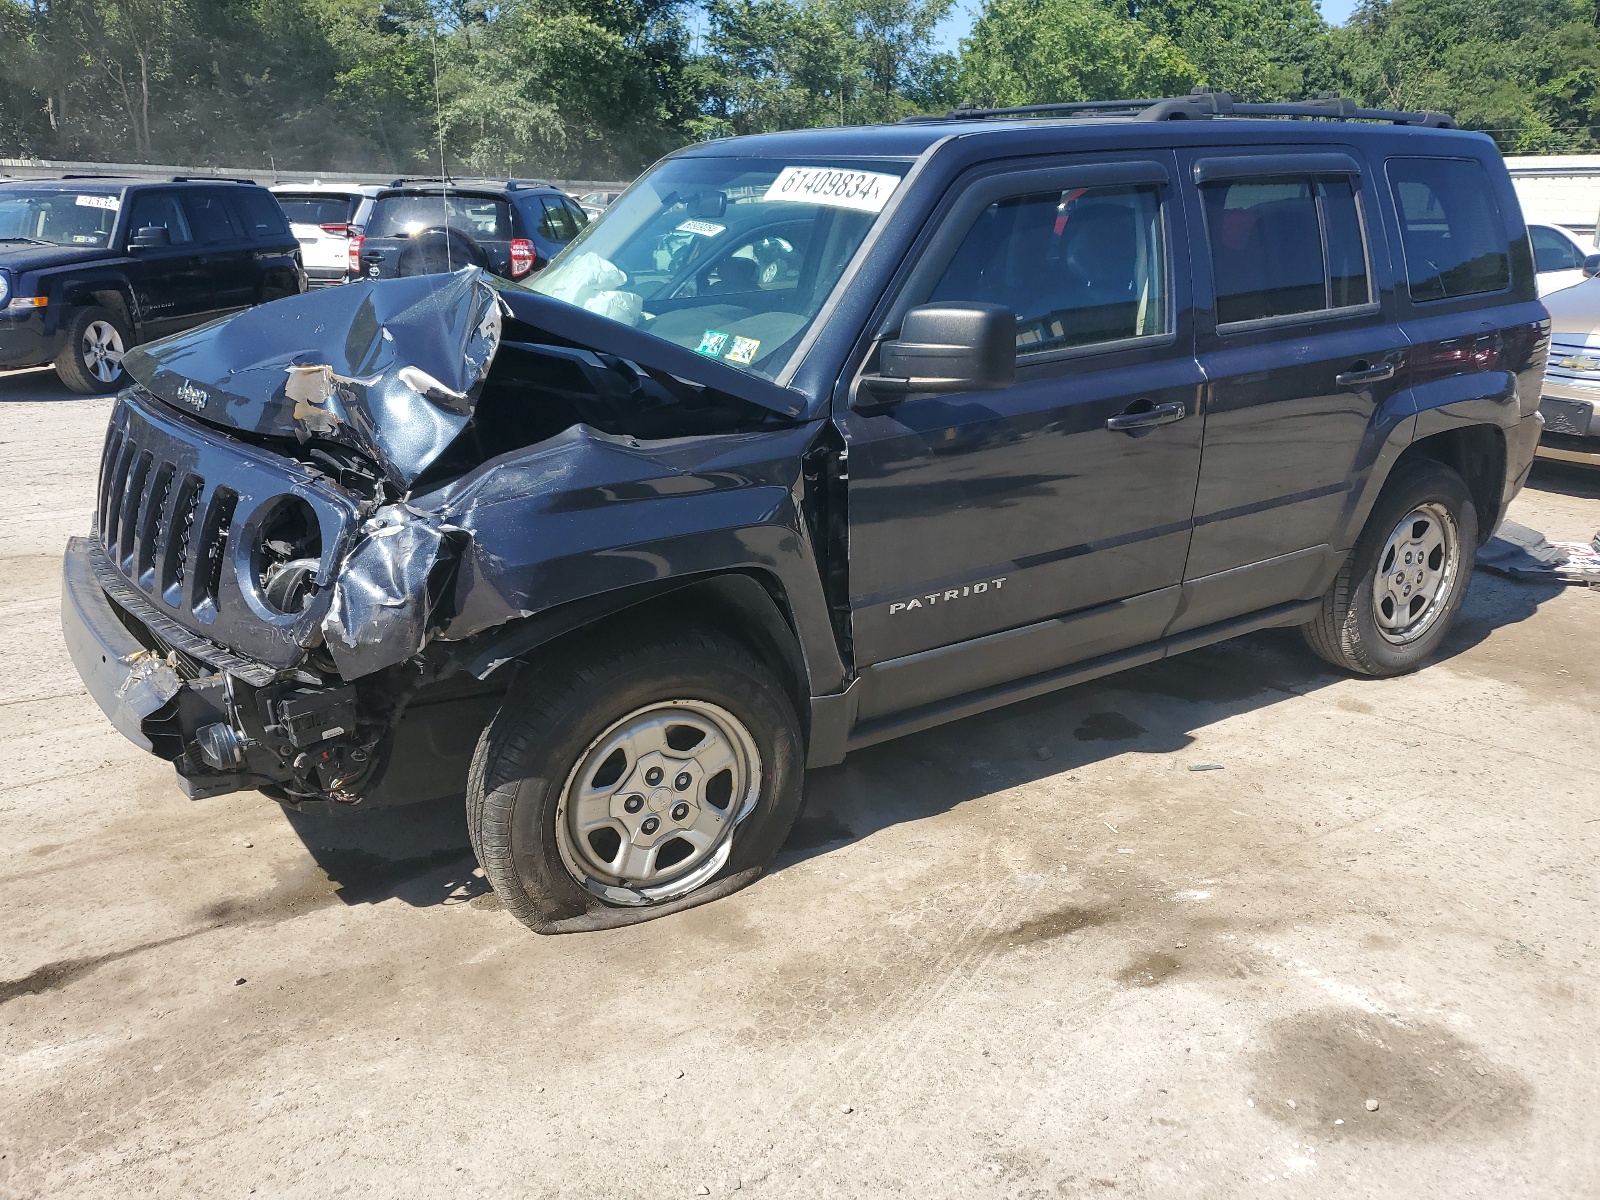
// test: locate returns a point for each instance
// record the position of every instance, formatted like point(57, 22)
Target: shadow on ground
point(421, 854)
point(40, 385)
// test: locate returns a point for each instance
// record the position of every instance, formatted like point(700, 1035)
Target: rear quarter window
point(259, 214)
point(1450, 228)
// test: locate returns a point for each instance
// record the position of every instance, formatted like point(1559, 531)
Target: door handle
point(1160, 414)
point(1361, 374)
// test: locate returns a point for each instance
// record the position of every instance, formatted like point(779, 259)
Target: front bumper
point(126, 679)
point(23, 340)
point(1571, 423)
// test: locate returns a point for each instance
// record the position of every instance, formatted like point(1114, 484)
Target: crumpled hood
point(391, 368)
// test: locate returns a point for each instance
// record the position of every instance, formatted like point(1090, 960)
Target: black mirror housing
point(1591, 266)
point(150, 237)
point(955, 347)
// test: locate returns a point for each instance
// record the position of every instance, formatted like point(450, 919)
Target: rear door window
point(1078, 267)
point(160, 210)
point(557, 224)
point(1285, 247)
point(209, 219)
point(1450, 227)
point(258, 212)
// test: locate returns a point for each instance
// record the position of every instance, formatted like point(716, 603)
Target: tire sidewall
point(1432, 484)
point(546, 760)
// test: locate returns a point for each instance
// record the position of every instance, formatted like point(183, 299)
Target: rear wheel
point(91, 360)
point(624, 782)
point(1397, 594)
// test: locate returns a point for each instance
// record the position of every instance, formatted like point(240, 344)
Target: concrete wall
point(1559, 189)
point(38, 168)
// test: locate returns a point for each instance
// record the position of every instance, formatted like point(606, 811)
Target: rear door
point(1000, 534)
point(1301, 348)
point(226, 273)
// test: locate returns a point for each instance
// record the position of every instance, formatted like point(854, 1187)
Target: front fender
point(589, 521)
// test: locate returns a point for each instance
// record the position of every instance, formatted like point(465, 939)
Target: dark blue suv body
point(813, 440)
point(91, 266)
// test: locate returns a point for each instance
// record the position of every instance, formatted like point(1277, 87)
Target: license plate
point(1565, 417)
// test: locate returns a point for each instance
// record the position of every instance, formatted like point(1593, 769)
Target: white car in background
point(325, 218)
point(1560, 257)
point(595, 203)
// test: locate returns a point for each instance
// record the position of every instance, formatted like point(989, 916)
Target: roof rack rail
point(90, 175)
point(210, 179)
point(1202, 104)
point(405, 179)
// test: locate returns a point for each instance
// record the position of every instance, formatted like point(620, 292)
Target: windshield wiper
point(29, 240)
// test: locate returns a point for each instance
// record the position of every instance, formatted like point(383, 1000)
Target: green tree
point(1252, 49)
point(1044, 51)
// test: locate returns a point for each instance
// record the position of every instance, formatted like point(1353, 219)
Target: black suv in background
point(511, 227)
point(91, 266)
point(811, 441)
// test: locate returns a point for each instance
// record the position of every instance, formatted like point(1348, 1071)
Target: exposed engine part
point(308, 716)
point(222, 746)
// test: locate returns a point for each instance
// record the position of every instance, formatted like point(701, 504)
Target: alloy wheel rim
point(1416, 574)
point(648, 812)
point(102, 351)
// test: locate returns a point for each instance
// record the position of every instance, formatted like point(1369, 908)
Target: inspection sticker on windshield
point(711, 343)
point(109, 203)
point(743, 351)
point(703, 228)
point(864, 191)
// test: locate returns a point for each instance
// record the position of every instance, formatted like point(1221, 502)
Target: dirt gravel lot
point(1032, 954)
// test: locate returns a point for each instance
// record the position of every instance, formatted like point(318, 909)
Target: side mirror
point(1591, 266)
point(150, 237)
point(958, 347)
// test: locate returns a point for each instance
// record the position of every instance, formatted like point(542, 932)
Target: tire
point(688, 730)
point(91, 361)
point(1391, 628)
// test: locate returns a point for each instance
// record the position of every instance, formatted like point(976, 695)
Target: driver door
point(1000, 534)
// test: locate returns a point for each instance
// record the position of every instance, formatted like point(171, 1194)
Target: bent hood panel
point(391, 368)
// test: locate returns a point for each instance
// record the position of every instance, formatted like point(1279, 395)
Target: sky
point(959, 23)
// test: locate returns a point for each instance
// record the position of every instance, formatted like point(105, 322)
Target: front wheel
point(625, 781)
point(1397, 594)
point(91, 360)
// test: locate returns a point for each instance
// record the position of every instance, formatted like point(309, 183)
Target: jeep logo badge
point(193, 395)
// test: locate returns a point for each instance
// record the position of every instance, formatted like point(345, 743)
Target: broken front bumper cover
point(128, 681)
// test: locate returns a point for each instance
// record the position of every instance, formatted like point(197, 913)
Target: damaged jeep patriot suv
point(812, 440)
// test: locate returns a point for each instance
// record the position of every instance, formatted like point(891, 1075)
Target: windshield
point(402, 216)
point(729, 257)
point(60, 218)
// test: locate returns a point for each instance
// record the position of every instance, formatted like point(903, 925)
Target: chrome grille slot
point(108, 468)
point(212, 546)
point(133, 499)
point(175, 550)
point(152, 521)
point(113, 496)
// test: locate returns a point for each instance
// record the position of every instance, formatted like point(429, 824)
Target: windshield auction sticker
point(864, 191)
point(703, 228)
point(109, 203)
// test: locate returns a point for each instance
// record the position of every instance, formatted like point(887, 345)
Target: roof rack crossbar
point(209, 179)
point(1203, 103)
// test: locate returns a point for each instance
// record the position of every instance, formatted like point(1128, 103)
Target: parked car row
point(91, 266)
